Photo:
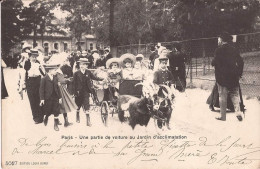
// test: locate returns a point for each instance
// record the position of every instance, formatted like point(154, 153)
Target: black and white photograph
point(130, 84)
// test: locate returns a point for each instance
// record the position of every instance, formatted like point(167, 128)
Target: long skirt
point(4, 92)
point(213, 99)
point(68, 104)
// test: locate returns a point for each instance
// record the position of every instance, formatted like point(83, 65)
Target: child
point(83, 87)
point(127, 61)
point(114, 77)
point(50, 95)
point(165, 77)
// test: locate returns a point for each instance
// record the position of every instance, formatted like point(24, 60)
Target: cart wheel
point(104, 112)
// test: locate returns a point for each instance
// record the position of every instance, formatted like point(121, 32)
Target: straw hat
point(26, 46)
point(84, 53)
point(34, 52)
point(83, 60)
point(48, 67)
point(161, 49)
point(112, 60)
point(128, 56)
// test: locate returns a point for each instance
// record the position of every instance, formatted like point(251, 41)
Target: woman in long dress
point(64, 75)
point(4, 92)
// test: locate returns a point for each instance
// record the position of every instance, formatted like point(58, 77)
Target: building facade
point(51, 43)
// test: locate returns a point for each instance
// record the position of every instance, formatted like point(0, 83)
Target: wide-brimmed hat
point(34, 52)
point(112, 60)
point(83, 60)
point(107, 50)
point(225, 36)
point(161, 49)
point(26, 46)
point(84, 53)
point(139, 56)
point(39, 48)
point(128, 56)
point(48, 67)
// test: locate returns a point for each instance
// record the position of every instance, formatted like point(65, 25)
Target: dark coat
point(82, 82)
point(49, 86)
point(162, 77)
point(101, 62)
point(228, 66)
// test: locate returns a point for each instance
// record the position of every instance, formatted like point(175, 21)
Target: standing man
point(33, 74)
point(228, 69)
point(101, 62)
point(177, 67)
point(82, 88)
point(108, 54)
point(152, 57)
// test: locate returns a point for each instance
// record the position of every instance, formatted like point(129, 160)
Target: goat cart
point(107, 98)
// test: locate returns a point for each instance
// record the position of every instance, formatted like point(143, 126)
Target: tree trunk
point(111, 29)
point(34, 36)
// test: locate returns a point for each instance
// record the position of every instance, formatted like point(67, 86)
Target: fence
point(199, 54)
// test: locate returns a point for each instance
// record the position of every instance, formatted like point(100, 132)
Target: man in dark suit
point(228, 70)
point(177, 67)
point(153, 56)
point(83, 87)
point(50, 95)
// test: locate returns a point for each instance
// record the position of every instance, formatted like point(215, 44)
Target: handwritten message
point(228, 151)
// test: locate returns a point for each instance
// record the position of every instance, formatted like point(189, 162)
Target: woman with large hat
point(128, 62)
point(162, 52)
point(34, 71)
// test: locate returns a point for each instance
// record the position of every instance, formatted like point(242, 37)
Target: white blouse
point(34, 70)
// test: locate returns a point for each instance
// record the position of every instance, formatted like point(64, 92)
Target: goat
point(138, 108)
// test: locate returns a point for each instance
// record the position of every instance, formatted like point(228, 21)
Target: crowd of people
point(63, 83)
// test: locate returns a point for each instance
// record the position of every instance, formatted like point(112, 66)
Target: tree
point(11, 24)
point(78, 19)
point(38, 19)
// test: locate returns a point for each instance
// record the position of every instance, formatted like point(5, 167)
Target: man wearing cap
point(83, 87)
point(33, 74)
point(228, 70)
point(50, 95)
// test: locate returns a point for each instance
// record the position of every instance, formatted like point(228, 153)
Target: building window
point(46, 48)
point(65, 47)
point(91, 46)
point(56, 46)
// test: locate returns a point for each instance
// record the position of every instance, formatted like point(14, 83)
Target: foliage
point(11, 24)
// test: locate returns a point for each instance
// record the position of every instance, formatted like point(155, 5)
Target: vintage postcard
point(130, 84)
